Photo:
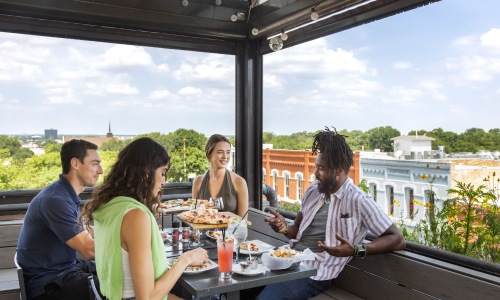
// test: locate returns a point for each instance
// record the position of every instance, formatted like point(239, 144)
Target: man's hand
point(344, 249)
point(278, 223)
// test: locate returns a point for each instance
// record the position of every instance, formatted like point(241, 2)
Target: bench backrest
point(260, 229)
point(406, 275)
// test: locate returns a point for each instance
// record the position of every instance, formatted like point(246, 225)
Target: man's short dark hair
point(77, 149)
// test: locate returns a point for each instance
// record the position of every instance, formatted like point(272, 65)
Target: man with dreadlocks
point(333, 221)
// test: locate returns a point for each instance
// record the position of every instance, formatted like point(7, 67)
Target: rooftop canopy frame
point(205, 26)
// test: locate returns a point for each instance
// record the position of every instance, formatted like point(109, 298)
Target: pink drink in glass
point(225, 256)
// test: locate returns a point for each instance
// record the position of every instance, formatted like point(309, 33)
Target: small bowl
point(253, 262)
point(245, 267)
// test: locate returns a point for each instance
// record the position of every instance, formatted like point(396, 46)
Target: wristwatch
point(360, 251)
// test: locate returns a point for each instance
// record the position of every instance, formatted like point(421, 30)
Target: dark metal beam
point(33, 26)
point(349, 19)
point(249, 73)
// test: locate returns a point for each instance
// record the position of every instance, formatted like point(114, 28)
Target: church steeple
point(109, 134)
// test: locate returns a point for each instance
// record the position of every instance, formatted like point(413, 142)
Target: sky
point(437, 66)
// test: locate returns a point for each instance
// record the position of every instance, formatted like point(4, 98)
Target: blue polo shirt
point(51, 220)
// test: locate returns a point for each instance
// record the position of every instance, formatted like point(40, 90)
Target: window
point(390, 199)
point(275, 180)
point(409, 202)
point(373, 191)
point(287, 185)
point(300, 183)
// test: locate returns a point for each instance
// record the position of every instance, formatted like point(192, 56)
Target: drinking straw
point(242, 219)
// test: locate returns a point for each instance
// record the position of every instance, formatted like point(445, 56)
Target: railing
point(18, 201)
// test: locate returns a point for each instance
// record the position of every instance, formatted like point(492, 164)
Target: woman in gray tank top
point(219, 181)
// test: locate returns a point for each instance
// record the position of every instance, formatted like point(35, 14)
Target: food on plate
point(197, 202)
point(285, 252)
point(205, 216)
point(193, 268)
point(214, 234)
point(171, 203)
point(249, 246)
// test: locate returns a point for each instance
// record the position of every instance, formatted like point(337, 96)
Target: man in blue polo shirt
point(52, 234)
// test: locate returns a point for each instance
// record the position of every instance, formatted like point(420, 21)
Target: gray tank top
point(314, 232)
point(227, 192)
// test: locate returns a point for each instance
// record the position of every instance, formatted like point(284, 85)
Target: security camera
point(276, 43)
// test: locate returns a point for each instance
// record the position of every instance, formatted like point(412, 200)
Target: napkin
point(280, 263)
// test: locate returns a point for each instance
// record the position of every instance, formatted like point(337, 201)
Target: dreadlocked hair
point(334, 149)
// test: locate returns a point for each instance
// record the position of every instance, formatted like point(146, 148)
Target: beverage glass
point(239, 233)
point(225, 256)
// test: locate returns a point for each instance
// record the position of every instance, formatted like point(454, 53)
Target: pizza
point(249, 246)
point(171, 203)
point(206, 203)
point(206, 216)
point(214, 234)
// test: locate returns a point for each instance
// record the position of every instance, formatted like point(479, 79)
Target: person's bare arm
point(241, 188)
point(278, 224)
point(390, 240)
point(83, 243)
point(135, 224)
point(195, 188)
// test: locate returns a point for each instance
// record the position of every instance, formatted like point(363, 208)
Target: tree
point(23, 153)
point(196, 163)
point(10, 143)
point(114, 145)
point(175, 140)
point(380, 138)
point(51, 146)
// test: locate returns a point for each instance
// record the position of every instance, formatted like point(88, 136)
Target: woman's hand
point(195, 257)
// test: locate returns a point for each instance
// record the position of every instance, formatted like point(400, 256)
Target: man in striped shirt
point(333, 221)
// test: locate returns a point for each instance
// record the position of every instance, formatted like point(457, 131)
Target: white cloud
point(14, 71)
point(125, 56)
point(402, 95)
point(186, 91)
point(467, 40)
point(121, 89)
point(402, 65)
point(159, 94)
point(474, 67)
point(208, 68)
point(491, 38)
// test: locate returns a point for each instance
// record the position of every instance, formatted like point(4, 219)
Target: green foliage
point(363, 185)
point(52, 146)
point(188, 137)
point(23, 153)
point(114, 145)
point(468, 224)
point(4, 153)
point(10, 143)
point(380, 138)
point(196, 163)
point(291, 207)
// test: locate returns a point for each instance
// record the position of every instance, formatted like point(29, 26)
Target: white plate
point(260, 269)
point(212, 266)
point(263, 247)
point(213, 238)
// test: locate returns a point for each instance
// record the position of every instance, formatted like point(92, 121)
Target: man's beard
point(326, 187)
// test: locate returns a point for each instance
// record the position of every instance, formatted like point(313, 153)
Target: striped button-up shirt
point(351, 214)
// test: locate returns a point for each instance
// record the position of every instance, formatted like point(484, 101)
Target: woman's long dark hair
point(334, 149)
point(132, 175)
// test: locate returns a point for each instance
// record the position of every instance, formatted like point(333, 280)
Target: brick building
point(291, 172)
